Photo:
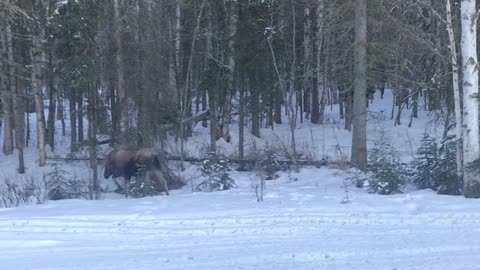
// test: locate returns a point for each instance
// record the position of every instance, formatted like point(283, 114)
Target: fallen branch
point(287, 162)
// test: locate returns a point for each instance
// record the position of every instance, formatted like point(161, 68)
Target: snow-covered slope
point(301, 225)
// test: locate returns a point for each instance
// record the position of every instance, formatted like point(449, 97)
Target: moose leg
point(127, 186)
point(165, 186)
point(161, 181)
point(119, 186)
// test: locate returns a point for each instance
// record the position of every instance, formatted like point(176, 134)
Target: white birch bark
point(456, 91)
point(471, 142)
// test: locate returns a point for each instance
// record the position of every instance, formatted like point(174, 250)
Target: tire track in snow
point(262, 241)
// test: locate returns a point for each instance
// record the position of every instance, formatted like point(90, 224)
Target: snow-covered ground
point(300, 225)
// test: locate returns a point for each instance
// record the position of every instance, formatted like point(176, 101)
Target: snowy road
point(298, 227)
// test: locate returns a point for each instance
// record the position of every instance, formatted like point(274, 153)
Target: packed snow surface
point(301, 225)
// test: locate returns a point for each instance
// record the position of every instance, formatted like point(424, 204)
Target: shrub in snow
point(147, 183)
point(61, 185)
point(216, 171)
point(358, 178)
point(21, 191)
point(447, 170)
point(268, 165)
point(141, 185)
point(426, 163)
point(266, 168)
point(388, 176)
point(436, 166)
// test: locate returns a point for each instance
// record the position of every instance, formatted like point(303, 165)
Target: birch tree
point(456, 90)
point(471, 142)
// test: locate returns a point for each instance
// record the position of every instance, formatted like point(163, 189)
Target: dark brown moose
point(128, 162)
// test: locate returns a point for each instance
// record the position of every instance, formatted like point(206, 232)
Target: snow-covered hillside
point(319, 141)
point(302, 224)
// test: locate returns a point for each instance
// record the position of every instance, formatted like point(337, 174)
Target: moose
point(128, 162)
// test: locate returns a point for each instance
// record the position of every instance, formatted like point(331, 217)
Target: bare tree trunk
point(316, 115)
point(415, 104)
point(121, 106)
point(73, 119)
point(291, 92)
point(213, 120)
point(6, 92)
point(27, 117)
point(241, 111)
point(277, 115)
point(359, 134)
point(348, 109)
point(212, 90)
point(227, 108)
point(471, 140)
point(255, 107)
point(19, 113)
point(456, 93)
point(175, 63)
point(393, 103)
point(144, 93)
point(80, 116)
point(185, 96)
point(52, 97)
point(51, 114)
point(61, 111)
point(307, 56)
point(323, 98)
point(36, 73)
point(92, 132)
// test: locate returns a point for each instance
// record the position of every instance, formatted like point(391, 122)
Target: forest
point(137, 72)
point(239, 134)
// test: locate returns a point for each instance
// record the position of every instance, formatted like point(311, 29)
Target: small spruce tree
point(384, 164)
point(436, 166)
point(448, 182)
point(427, 163)
point(61, 185)
point(216, 170)
point(142, 186)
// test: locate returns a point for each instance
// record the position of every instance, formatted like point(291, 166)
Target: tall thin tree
point(359, 133)
point(471, 140)
point(36, 74)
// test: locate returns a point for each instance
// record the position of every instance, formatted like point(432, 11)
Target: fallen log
point(288, 162)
